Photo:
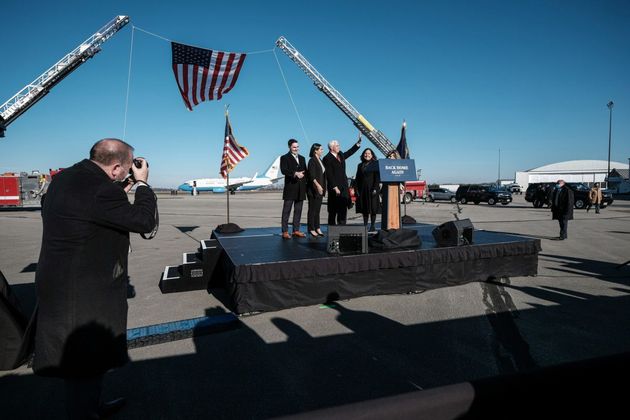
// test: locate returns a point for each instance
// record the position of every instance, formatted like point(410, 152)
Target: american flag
point(233, 152)
point(204, 75)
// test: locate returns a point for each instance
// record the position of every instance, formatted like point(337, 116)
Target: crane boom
point(379, 139)
point(38, 88)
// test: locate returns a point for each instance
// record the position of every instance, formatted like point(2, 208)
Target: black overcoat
point(368, 189)
point(564, 208)
point(81, 277)
point(315, 173)
point(294, 188)
point(336, 172)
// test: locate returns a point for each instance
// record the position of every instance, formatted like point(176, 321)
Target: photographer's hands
point(140, 174)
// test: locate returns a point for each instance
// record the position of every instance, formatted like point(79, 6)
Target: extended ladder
point(377, 137)
point(37, 89)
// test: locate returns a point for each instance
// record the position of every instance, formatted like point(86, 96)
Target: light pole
point(499, 173)
point(610, 106)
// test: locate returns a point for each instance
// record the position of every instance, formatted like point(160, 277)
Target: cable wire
point(128, 83)
point(291, 96)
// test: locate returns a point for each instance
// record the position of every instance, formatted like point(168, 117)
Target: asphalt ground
point(307, 358)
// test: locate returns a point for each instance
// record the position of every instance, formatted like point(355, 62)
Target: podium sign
point(394, 172)
point(397, 170)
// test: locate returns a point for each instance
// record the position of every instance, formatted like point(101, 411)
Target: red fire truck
point(23, 189)
point(414, 190)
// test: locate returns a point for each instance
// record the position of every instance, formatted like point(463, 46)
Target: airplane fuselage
point(218, 185)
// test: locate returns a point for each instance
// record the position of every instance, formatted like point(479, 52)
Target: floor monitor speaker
point(347, 239)
point(454, 233)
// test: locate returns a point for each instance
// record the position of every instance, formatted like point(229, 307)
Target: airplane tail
point(274, 169)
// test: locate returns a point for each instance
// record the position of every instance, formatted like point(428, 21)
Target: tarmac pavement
point(307, 358)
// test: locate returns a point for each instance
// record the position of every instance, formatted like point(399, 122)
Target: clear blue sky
point(531, 78)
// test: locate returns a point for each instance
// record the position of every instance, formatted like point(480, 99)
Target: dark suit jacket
point(81, 277)
point(565, 203)
point(336, 170)
point(294, 188)
point(315, 172)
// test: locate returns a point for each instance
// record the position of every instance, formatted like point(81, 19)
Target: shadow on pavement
point(236, 374)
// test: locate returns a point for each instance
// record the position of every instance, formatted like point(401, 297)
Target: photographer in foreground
point(81, 275)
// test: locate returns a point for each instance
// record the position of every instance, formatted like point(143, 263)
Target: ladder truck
point(379, 139)
point(38, 88)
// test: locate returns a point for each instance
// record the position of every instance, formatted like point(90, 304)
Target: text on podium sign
point(397, 170)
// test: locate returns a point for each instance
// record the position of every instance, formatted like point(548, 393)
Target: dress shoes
point(320, 233)
point(285, 235)
point(109, 408)
point(314, 234)
point(298, 234)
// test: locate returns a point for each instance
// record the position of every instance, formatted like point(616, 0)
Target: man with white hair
point(337, 181)
point(562, 206)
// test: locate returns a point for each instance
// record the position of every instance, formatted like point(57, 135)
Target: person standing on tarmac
point(81, 278)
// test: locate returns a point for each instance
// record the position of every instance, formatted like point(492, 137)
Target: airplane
point(219, 185)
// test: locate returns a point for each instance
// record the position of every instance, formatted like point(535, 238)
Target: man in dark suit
point(562, 202)
point(337, 180)
point(81, 277)
point(293, 167)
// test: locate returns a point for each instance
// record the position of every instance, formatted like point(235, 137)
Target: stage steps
point(196, 270)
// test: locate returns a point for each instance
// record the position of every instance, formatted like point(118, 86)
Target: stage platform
point(264, 272)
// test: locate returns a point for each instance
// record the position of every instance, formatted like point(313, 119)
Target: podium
point(393, 173)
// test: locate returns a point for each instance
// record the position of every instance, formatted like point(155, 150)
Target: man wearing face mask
point(81, 277)
point(562, 206)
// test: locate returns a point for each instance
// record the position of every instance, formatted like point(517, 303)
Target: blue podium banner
point(397, 170)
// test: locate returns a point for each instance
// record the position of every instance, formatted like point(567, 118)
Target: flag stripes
point(204, 75)
point(233, 152)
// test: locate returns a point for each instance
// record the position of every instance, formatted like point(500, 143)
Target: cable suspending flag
point(204, 75)
point(233, 152)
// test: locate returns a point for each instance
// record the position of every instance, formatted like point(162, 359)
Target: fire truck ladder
point(37, 89)
point(377, 137)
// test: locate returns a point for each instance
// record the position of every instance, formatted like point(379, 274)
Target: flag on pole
point(233, 152)
point(204, 75)
point(402, 148)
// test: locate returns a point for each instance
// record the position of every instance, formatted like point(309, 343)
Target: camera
point(138, 164)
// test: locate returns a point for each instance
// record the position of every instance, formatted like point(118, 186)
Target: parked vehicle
point(540, 193)
point(580, 195)
point(477, 193)
point(441, 194)
point(23, 189)
point(414, 190)
point(514, 188)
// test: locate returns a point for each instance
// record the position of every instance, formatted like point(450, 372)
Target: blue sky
point(531, 78)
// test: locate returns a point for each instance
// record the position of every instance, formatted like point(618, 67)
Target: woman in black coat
point(368, 189)
point(316, 188)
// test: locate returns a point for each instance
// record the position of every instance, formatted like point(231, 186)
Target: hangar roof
point(579, 166)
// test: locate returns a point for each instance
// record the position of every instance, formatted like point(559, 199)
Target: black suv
point(477, 193)
point(539, 194)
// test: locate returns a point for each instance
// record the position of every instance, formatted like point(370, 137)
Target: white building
point(587, 171)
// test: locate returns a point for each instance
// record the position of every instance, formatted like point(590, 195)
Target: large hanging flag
point(402, 148)
point(233, 152)
point(204, 75)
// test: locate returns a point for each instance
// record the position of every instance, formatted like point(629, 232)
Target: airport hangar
point(586, 171)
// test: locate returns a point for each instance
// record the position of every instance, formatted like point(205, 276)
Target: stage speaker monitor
point(454, 233)
point(347, 239)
